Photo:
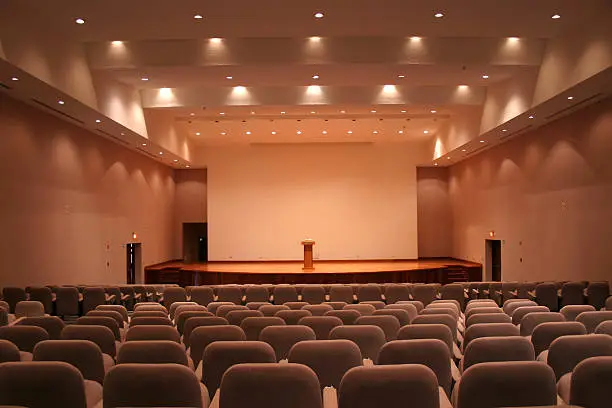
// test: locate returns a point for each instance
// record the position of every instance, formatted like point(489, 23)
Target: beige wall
point(190, 202)
point(358, 201)
point(434, 215)
point(67, 194)
point(547, 195)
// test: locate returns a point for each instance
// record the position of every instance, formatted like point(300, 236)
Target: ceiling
point(271, 72)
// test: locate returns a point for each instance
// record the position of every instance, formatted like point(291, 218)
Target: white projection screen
point(357, 201)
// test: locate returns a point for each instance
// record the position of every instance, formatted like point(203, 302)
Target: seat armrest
point(455, 373)
point(444, 401)
point(330, 397)
point(215, 401)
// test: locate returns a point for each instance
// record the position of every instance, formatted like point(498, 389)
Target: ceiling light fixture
point(403, 111)
point(375, 132)
point(556, 16)
point(252, 112)
point(324, 132)
point(192, 114)
point(372, 111)
point(197, 133)
point(531, 116)
point(299, 132)
point(400, 132)
point(175, 160)
point(435, 164)
point(415, 38)
point(187, 166)
point(273, 132)
point(248, 132)
point(485, 76)
point(342, 111)
point(426, 132)
point(482, 141)
point(448, 158)
point(315, 77)
point(198, 17)
point(215, 40)
point(229, 77)
point(463, 150)
point(161, 153)
point(98, 121)
point(319, 15)
point(438, 15)
point(144, 79)
point(60, 102)
point(283, 112)
point(79, 21)
point(223, 133)
point(504, 130)
point(144, 144)
point(221, 113)
point(116, 43)
point(14, 79)
point(350, 132)
point(433, 111)
point(315, 39)
point(401, 76)
point(570, 97)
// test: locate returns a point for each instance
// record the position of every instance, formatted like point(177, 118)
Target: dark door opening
point(493, 260)
point(195, 242)
point(133, 263)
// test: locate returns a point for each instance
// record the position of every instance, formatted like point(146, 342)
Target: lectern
point(308, 244)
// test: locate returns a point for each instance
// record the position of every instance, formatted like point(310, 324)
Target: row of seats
point(373, 337)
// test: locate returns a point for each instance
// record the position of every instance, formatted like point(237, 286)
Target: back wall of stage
point(358, 201)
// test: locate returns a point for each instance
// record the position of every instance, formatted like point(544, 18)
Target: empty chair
point(368, 338)
point(363, 308)
point(395, 292)
point(425, 293)
point(52, 324)
point(282, 338)
point(546, 295)
point(490, 349)
point(108, 313)
point(321, 325)
point(432, 353)
point(495, 292)
point(526, 290)
point(152, 352)
point(172, 310)
point(154, 332)
point(114, 294)
point(590, 385)
point(256, 294)
point(204, 335)
point(369, 292)
point(8, 352)
point(347, 316)
point(28, 308)
point(401, 315)
point(283, 294)
point(451, 311)
point(510, 307)
point(150, 306)
point(67, 301)
point(101, 321)
point(152, 385)
point(252, 326)
point(570, 312)
point(182, 308)
point(544, 334)
point(43, 295)
point(318, 310)
point(416, 303)
point(532, 320)
point(292, 317)
point(509, 290)
point(482, 310)
point(182, 318)
point(12, 296)
point(572, 293)
point(150, 321)
point(202, 295)
point(454, 291)
point(115, 308)
point(149, 313)
point(505, 384)
point(194, 322)
point(409, 308)
point(41, 384)
point(427, 331)
point(236, 317)
point(4, 316)
point(213, 306)
point(329, 359)
point(313, 294)
point(476, 331)
point(438, 319)
point(230, 293)
point(389, 387)
point(223, 310)
point(592, 319)
point(221, 355)
point(488, 318)
point(102, 336)
point(341, 293)
point(597, 293)
point(520, 312)
point(378, 304)
point(93, 297)
point(174, 294)
point(389, 324)
point(270, 310)
point(604, 328)
point(337, 305)
point(446, 303)
point(295, 305)
point(257, 305)
point(24, 337)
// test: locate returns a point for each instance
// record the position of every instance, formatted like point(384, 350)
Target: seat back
point(597, 293)
point(108, 313)
point(8, 352)
point(67, 301)
point(369, 292)
point(256, 294)
point(236, 317)
point(572, 293)
point(348, 317)
point(93, 297)
point(318, 310)
point(438, 319)
point(590, 384)
point(282, 338)
point(546, 295)
point(570, 312)
point(545, 333)
point(490, 349)
point(488, 318)
point(43, 295)
point(52, 324)
point(341, 293)
point(533, 319)
point(363, 308)
point(427, 331)
point(313, 294)
point(85, 355)
point(202, 336)
point(321, 325)
point(115, 308)
point(101, 321)
point(402, 316)
point(29, 308)
point(592, 319)
point(510, 307)
point(252, 326)
point(454, 291)
point(102, 336)
point(566, 352)
point(283, 294)
point(202, 295)
point(174, 294)
point(12, 296)
point(152, 332)
point(425, 293)
point(270, 310)
point(368, 338)
point(292, 317)
point(152, 352)
point(476, 331)
point(604, 328)
point(232, 294)
point(396, 292)
point(520, 312)
point(194, 322)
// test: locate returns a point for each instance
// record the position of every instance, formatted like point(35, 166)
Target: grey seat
point(67, 301)
point(510, 307)
point(545, 333)
point(427, 331)
point(252, 326)
point(570, 312)
point(348, 317)
point(389, 386)
point(409, 308)
point(438, 319)
point(590, 385)
point(270, 386)
point(295, 305)
point(546, 295)
point(93, 297)
point(182, 317)
point(236, 317)
point(597, 293)
point(52, 324)
point(572, 293)
point(174, 294)
point(101, 335)
point(292, 317)
point(202, 295)
point(401, 315)
point(152, 332)
point(108, 313)
point(425, 293)
point(213, 306)
point(369, 292)
point(592, 319)
point(318, 310)
point(256, 294)
point(341, 293)
point(283, 294)
point(13, 295)
point(270, 310)
point(520, 312)
point(490, 349)
point(223, 310)
point(337, 305)
point(194, 322)
point(416, 303)
point(43, 295)
point(488, 318)
point(368, 338)
point(28, 308)
point(150, 321)
point(454, 291)
point(282, 338)
point(321, 325)
point(232, 294)
point(313, 294)
point(364, 309)
point(85, 355)
point(604, 328)
point(116, 308)
point(396, 292)
point(532, 320)
point(202, 336)
point(101, 321)
point(489, 330)
point(8, 352)
point(152, 352)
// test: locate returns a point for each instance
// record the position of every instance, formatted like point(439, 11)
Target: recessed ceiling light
point(229, 77)
point(248, 132)
point(313, 112)
point(531, 116)
point(252, 112)
point(79, 21)
point(161, 153)
point(144, 144)
point(342, 111)
point(319, 15)
point(221, 113)
point(324, 132)
point(283, 112)
point(433, 111)
point(223, 133)
point(315, 39)
point(504, 130)
point(570, 97)
point(448, 158)
point(400, 132)
point(187, 166)
point(350, 132)
point(14, 79)
point(403, 111)
point(426, 131)
point(299, 132)
point(438, 15)
point(116, 42)
point(215, 40)
point(192, 114)
point(375, 132)
point(175, 160)
point(98, 121)
point(401, 76)
point(315, 77)
point(273, 132)
point(463, 150)
point(463, 86)
point(415, 38)
point(556, 16)
point(197, 133)
point(60, 102)
point(198, 17)
point(482, 141)
point(144, 79)
point(122, 134)
point(435, 164)
point(372, 111)
point(485, 76)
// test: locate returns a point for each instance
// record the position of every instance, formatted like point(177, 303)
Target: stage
point(435, 270)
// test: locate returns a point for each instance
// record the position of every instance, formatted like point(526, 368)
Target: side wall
point(190, 203)
point(70, 200)
point(547, 195)
point(434, 213)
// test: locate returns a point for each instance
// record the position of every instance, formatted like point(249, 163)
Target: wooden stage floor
point(439, 270)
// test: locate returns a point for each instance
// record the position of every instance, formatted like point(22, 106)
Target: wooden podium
point(308, 244)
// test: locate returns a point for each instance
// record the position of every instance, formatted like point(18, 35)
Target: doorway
point(195, 242)
point(493, 260)
point(133, 253)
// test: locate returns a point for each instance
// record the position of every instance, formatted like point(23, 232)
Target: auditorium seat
point(292, 317)
point(67, 301)
point(252, 326)
point(590, 385)
point(390, 325)
point(427, 331)
point(450, 311)
point(8, 352)
point(202, 295)
point(24, 337)
point(12, 296)
point(282, 338)
point(567, 351)
point(183, 317)
point(438, 319)
point(255, 293)
point(52, 324)
point(369, 292)
point(149, 313)
point(4, 316)
point(114, 294)
point(570, 312)
point(143, 308)
point(84, 355)
point(173, 294)
point(150, 321)
point(29, 308)
point(408, 308)
point(116, 316)
point(592, 319)
point(546, 295)
point(187, 308)
point(221, 355)
point(604, 328)
point(93, 297)
point(153, 385)
point(509, 290)
point(270, 386)
point(572, 293)
point(152, 332)
point(363, 308)
point(492, 349)
point(533, 319)
point(175, 305)
point(480, 303)
point(152, 352)
point(544, 334)
point(416, 303)
point(510, 307)
point(313, 294)
point(284, 293)
point(487, 318)
point(116, 308)
point(454, 291)
point(257, 305)
point(318, 310)
point(446, 303)
point(295, 305)
point(43, 295)
point(476, 331)
point(270, 310)
point(36, 384)
point(341, 293)
point(482, 310)
point(395, 292)
point(520, 312)
point(526, 290)
point(235, 317)
point(368, 338)
point(194, 322)
point(212, 307)
point(507, 384)
point(337, 305)
point(401, 315)
point(230, 293)
point(597, 293)
point(378, 304)
point(321, 325)
point(425, 293)
point(202, 336)
point(100, 335)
